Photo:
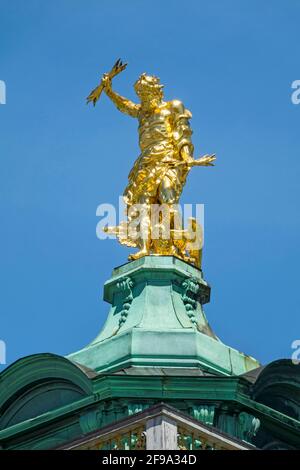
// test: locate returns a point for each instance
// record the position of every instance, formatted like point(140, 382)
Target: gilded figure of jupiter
point(159, 173)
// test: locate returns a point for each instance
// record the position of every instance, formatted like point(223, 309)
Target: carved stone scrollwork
point(191, 290)
point(125, 287)
point(204, 413)
point(238, 423)
point(248, 426)
point(134, 408)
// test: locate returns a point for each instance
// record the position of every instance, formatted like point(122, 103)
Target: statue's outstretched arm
point(182, 136)
point(187, 157)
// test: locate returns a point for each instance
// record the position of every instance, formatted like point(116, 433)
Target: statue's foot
point(138, 255)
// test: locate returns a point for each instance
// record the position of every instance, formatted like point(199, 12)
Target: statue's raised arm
point(123, 104)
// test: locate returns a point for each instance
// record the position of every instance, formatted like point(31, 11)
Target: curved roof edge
point(27, 372)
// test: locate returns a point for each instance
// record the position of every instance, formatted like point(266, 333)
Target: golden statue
point(159, 173)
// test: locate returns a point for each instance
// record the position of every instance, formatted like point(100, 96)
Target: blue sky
point(232, 63)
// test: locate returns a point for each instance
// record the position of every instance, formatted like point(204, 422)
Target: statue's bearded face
point(148, 88)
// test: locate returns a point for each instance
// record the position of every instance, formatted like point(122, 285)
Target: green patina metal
point(156, 346)
point(221, 401)
point(158, 300)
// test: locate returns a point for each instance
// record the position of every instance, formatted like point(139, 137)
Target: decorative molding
point(204, 413)
point(134, 408)
point(248, 426)
point(125, 286)
point(238, 423)
point(191, 289)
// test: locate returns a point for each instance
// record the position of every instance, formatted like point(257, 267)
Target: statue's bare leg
point(166, 192)
point(167, 195)
point(145, 230)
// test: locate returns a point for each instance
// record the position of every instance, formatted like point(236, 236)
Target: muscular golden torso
point(164, 130)
point(155, 129)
